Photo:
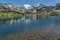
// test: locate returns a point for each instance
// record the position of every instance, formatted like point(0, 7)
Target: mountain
point(11, 7)
point(42, 8)
point(33, 9)
point(38, 8)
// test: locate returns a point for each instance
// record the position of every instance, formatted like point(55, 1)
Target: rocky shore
point(29, 36)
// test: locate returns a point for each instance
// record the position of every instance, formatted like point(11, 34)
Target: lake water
point(49, 25)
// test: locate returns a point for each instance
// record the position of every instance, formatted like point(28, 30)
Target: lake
point(43, 25)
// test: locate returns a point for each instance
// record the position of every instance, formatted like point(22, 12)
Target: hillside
point(41, 9)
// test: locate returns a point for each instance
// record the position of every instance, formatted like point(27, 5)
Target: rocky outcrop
point(34, 9)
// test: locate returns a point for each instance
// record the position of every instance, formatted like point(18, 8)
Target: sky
point(31, 2)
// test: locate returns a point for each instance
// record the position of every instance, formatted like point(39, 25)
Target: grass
point(11, 15)
point(57, 38)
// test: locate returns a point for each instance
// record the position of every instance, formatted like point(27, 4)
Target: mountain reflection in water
point(50, 25)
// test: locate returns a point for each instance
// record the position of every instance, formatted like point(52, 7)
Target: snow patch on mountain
point(27, 6)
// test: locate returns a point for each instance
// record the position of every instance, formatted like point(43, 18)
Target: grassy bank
point(11, 14)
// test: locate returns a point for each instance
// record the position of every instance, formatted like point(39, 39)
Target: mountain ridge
point(33, 9)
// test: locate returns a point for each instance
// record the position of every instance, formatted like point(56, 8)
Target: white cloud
point(27, 6)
